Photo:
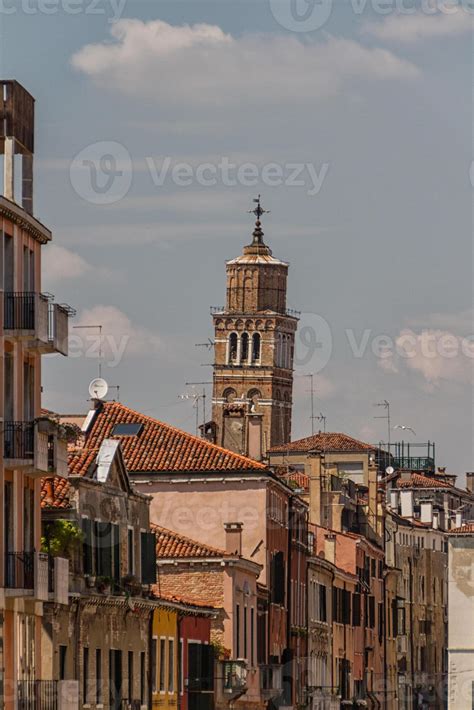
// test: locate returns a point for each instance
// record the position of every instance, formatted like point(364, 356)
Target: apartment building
point(33, 444)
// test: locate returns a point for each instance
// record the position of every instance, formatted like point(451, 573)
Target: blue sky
point(378, 233)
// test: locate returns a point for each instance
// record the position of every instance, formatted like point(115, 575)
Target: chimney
point(458, 520)
point(406, 501)
point(315, 486)
point(372, 493)
point(330, 548)
point(435, 521)
point(233, 538)
point(426, 511)
point(394, 500)
point(470, 481)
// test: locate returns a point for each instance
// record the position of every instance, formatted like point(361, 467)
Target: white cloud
point(421, 26)
point(61, 264)
point(120, 337)
point(437, 355)
point(202, 66)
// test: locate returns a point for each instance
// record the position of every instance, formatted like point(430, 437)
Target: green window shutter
point(87, 546)
point(148, 557)
point(104, 543)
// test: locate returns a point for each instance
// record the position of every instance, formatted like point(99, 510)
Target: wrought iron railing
point(414, 463)
point(18, 440)
point(38, 695)
point(235, 676)
point(20, 570)
point(19, 310)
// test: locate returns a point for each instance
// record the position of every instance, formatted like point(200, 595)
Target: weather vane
point(258, 211)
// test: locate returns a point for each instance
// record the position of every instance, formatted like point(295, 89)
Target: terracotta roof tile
point(160, 447)
point(171, 544)
point(325, 441)
point(55, 492)
point(81, 460)
point(181, 598)
point(466, 529)
point(418, 480)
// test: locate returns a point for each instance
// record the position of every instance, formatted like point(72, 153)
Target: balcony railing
point(235, 676)
point(38, 695)
point(34, 317)
point(19, 439)
point(414, 463)
point(27, 572)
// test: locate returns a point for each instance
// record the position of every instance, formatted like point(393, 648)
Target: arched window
point(229, 395)
point(254, 395)
point(244, 347)
point(233, 347)
point(256, 347)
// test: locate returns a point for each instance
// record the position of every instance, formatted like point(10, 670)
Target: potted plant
point(103, 584)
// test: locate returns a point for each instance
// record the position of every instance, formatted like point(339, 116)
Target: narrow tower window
point(256, 342)
point(244, 347)
point(233, 347)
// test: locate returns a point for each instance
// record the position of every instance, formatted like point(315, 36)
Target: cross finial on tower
point(258, 210)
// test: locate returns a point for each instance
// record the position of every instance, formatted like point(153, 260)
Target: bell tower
point(254, 351)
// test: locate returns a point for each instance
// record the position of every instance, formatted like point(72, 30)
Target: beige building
point(461, 618)
point(254, 352)
point(97, 519)
point(32, 443)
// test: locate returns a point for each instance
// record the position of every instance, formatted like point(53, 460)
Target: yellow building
point(164, 660)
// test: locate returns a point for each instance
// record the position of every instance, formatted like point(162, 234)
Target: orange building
point(30, 325)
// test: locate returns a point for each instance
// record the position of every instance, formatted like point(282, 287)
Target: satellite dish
point(389, 470)
point(98, 388)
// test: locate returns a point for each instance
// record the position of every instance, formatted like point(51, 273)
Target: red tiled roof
point(466, 529)
point(299, 479)
point(181, 598)
point(418, 480)
point(171, 544)
point(324, 441)
point(55, 492)
point(160, 447)
point(80, 461)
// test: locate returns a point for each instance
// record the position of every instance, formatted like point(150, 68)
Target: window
point(142, 677)
point(127, 429)
point(130, 675)
point(256, 347)
point(153, 663)
point(181, 666)
point(277, 576)
point(162, 664)
point(85, 674)
point(98, 676)
point(356, 610)
point(131, 551)
point(62, 662)
point(322, 603)
point(252, 636)
point(170, 665)
point(244, 347)
point(233, 347)
point(87, 546)
point(237, 629)
point(148, 557)
point(246, 654)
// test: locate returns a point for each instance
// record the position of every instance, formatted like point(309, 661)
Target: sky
point(157, 123)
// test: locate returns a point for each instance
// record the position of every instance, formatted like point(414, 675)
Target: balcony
point(27, 574)
point(35, 319)
point(271, 681)
point(35, 447)
point(235, 677)
point(414, 463)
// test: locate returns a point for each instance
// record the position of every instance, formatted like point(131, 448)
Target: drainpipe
point(385, 664)
point(412, 672)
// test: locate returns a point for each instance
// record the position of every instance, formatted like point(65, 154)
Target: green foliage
point(61, 538)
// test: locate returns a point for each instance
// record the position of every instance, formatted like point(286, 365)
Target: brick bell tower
point(254, 350)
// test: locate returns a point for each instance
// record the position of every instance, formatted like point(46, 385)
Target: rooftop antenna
point(311, 391)
point(209, 345)
point(116, 387)
point(99, 328)
point(98, 389)
point(384, 403)
point(200, 397)
point(322, 418)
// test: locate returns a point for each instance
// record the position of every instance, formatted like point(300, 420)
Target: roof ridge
point(193, 437)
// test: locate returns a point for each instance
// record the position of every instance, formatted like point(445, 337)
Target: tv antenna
point(209, 345)
point(98, 389)
point(197, 398)
point(386, 405)
point(322, 418)
point(311, 391)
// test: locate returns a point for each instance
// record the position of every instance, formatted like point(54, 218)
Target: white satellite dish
point(98, 388)
point(389, 470)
